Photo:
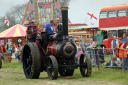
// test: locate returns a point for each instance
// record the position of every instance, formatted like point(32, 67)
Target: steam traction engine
point(54, 53)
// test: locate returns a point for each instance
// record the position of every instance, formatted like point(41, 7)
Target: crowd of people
point(16, 49)
point(118, 45)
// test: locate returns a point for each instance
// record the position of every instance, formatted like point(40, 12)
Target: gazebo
point(92, 29)
point(16, 32)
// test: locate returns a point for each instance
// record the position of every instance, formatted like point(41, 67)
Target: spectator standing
point(78, 54)
point(77, 46)
point(9, 49)
point(125, 39)
point(90, 47)
point(87, 45)
point(82, 46)
point(3, 50)
point(19, 52)
point(114, 43)
point(16, 50)
point(121, 51)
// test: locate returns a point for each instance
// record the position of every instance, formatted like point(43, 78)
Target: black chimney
point(64, 11)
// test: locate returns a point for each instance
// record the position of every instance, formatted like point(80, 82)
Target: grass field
point(12, 74)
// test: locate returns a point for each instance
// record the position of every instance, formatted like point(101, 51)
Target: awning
point(15, 31)
point(85, 27)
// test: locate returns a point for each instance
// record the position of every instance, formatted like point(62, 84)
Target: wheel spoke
point(52, 68)
point(29, 67)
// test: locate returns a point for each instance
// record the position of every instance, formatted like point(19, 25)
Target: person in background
point(90, 47)
point(49, 28)
point(78, 54)
point(3, 50)
point(98, 52)
point(114, 43)
point(125, 39)
point(7, 45)
point(87, 45)
point(19, 52)
point(16, 50)
point(77, 46)
point(9, 49)
point(81, 45)
point(121, 52)
point(115, 61)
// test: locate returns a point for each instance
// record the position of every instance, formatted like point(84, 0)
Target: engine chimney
point(64, 11)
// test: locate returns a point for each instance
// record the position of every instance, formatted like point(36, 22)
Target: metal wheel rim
point(27, 65)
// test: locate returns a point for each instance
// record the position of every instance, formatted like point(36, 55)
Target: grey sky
point(77, 8)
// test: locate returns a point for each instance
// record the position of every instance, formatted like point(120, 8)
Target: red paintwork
point(41, 52)
point(52, 49)
point(113, 22)
point(107, 42)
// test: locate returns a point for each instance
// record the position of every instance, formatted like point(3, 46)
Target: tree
point(15, 16)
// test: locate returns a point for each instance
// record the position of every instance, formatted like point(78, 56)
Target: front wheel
point(85, 65)
point(52, 67)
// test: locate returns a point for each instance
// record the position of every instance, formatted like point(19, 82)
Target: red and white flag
point(91, 16)
point(6, 21)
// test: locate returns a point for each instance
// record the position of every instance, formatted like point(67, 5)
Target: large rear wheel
point(31, 61)
point(52, 68)
point(85, 65)
point(0, 62)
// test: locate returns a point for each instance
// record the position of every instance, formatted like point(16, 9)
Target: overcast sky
point(77, 8)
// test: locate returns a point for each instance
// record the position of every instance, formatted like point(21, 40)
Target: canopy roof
point(15, 31)
point(85, 27)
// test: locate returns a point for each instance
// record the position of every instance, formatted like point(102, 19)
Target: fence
point(103, 57)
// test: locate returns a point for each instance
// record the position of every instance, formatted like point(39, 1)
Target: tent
point(15, 31)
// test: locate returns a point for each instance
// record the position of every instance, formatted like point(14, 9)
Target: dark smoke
point(65, 3)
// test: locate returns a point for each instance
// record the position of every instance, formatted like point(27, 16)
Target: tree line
point(15, 16)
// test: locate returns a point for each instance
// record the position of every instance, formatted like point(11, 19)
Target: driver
point(49, 28)
point(31, 31)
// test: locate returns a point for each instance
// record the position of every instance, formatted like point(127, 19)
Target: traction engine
point(54, 53)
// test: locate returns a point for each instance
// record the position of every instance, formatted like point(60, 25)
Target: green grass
point(12, 74)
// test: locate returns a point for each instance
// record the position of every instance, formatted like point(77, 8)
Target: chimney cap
point(64, 8)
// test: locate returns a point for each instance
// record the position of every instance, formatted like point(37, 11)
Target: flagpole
point(86, 17)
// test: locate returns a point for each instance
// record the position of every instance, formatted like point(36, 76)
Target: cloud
point(5, 5)
point(78, 9)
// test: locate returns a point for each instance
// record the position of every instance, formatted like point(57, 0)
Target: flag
point(91, 16)
point(6, 21)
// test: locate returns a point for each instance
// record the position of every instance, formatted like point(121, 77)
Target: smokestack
point(64, 11)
